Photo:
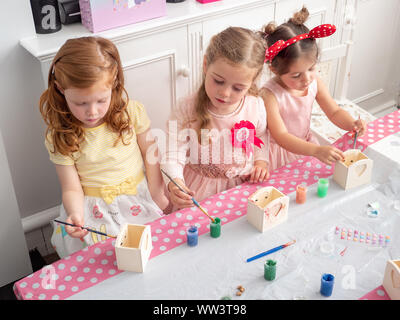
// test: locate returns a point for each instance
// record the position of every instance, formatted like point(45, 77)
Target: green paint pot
point(323, 185)
point(215, 228)
point(270, 270)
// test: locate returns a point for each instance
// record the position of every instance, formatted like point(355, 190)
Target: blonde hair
point(80, 63)
point(295, 26)
point(238, 46)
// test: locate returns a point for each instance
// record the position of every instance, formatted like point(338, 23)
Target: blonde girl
point(220, 131)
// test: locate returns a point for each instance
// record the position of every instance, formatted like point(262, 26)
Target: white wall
point(375, 71)
point(13, 249)
point(34, 178)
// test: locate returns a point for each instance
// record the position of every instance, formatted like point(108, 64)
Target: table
point(215, 267)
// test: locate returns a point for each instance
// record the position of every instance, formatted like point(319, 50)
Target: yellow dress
point(113, 180)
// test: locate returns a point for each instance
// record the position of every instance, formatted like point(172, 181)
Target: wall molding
point(40, 219)
point(383, 107)
point(368, 96)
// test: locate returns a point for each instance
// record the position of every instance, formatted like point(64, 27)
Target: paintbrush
point(355, 140)
point(193, 199)
point(262, 254)
point(90, 230)
point(355, 136)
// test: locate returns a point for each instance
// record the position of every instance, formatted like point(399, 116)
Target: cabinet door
point(253, 18)
point(321, 12)
point(156, 71)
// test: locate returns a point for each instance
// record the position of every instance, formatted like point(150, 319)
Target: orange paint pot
point(301, 193)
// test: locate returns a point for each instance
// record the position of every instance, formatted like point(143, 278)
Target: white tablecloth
point(216, 267)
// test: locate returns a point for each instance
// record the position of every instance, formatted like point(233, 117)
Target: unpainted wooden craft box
point(266, 208)
point(391, 280)
point(133, 247)
point(354, 171)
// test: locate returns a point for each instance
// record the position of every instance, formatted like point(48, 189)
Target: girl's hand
point(75, 232)
point(328, 154)
point(360, 127)
point(179, 198)
point(259, 172)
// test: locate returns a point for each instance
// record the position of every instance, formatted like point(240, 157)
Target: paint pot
point(215, 228)
point(301, 193)
point(192, 236)
point(323, 185)
point(327, 281)
point(269, 270)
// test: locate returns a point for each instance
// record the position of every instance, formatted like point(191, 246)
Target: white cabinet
point(156, 71)
point(253, 18)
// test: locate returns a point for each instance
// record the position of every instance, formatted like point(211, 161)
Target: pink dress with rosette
point(296, 114)
point(215, 165)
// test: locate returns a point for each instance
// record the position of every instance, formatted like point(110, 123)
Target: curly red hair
point(80, 63)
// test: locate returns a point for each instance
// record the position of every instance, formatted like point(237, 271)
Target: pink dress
point(296, 114)
point(216, 166)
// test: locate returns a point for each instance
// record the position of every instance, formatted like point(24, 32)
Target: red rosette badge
point(243, 136)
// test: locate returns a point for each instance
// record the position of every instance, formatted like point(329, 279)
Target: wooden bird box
point(354, 171)
point(133, 247)
point(266, 208)
point(391, 280)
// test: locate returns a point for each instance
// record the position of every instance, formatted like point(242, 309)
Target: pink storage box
point(99, 15)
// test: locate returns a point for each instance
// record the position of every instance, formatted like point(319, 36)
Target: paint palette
point(368, 238)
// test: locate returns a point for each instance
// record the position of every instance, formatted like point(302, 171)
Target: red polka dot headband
point(323, 30)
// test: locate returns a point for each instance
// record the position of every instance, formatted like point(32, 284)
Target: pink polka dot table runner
point(376, 294)
point(97, 263)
